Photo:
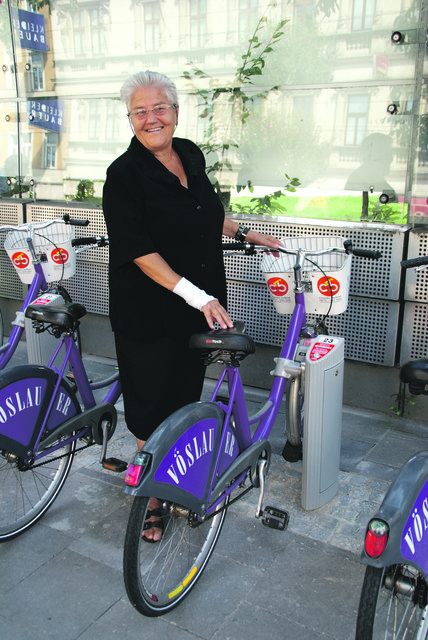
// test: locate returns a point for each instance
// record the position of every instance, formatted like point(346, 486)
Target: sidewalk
point(63, 578)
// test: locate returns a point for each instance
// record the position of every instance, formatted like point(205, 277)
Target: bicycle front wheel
point(26, 493)
point(159, 575)
point(294, 413)
point(393, 604)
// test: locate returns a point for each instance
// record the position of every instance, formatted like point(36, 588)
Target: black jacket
point(147, 210)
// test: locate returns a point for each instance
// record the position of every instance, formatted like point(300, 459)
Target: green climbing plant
point(227, 108)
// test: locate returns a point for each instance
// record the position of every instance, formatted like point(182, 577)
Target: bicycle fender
point(25, 394)
point(405, 510)
point(183, 452)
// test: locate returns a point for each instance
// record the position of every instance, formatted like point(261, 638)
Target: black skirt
point(158, 377)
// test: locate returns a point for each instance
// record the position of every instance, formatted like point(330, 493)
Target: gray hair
point(148, 79)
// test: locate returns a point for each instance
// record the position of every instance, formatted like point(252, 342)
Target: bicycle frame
point(224, 434)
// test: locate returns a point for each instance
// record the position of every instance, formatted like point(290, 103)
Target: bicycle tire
point(27, 492)
point(294, 417)
point(384, 612)
point(159, 575)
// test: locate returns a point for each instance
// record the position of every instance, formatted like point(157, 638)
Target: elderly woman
point(167, 280)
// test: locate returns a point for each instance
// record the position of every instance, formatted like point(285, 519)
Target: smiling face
point(154, 132)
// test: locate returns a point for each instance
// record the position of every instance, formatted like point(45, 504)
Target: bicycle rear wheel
point(393, 604)
point(159, 575)
point(26, 493)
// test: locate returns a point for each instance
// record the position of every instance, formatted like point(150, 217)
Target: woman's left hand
point(263, 239)
point(230, 227)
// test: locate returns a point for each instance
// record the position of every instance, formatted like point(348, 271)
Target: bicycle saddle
point(415, 373)
point(62, 315)
point(230, 340)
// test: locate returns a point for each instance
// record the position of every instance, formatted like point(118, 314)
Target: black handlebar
point(414, 262)
point(247, 247)
point(74, 222)
point(102, 241)
point(361, 253)
point(367, 253)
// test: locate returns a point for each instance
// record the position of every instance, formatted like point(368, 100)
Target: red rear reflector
point(376, 538)
point(133, 474)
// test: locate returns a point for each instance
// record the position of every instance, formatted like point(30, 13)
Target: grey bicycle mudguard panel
point(183, 452)
point(405, 510)
point(415, 371)
point(25, 393)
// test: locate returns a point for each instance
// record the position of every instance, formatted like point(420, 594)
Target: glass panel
point(347, 115)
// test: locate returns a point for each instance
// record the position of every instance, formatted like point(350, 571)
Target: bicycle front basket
point(54, 242)
point(278, 272)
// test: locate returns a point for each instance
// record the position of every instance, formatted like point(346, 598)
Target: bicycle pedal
point(114, 464)
point(275, 518)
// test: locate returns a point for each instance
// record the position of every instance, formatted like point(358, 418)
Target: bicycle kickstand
point(112, 464)
point(271, 516)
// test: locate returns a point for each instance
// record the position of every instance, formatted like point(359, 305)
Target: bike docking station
point(315, 375)
point(323, 384)
point(314, 392)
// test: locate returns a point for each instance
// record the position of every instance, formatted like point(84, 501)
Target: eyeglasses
point(160, 110)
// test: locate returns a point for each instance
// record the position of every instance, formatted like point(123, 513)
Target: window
point(303, 11)
point(88, 27)
point(302, 106)
point(357, 119)
point(37, 67)
point(248, 14)
point(112, 120)
point(50, 149)
point(97, 32)
point(363, 14)
point(152, 26)
point(79, 39)
point(198, 23)
point(94, 123)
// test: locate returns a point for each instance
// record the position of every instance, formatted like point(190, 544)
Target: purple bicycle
point(394, 594)
point(209, 454)
point(48, 413)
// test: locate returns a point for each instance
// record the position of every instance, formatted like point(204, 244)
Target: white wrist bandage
point(194, 296)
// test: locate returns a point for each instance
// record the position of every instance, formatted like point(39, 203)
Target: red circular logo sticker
point(20, 260)
point(277, 286)
point(59, 256)
point(324, 287)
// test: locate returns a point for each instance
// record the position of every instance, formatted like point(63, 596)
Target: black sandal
point(158, 523)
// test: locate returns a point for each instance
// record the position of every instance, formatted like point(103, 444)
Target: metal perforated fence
point(369, 325)
point(415, 321)
point(11, 213)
